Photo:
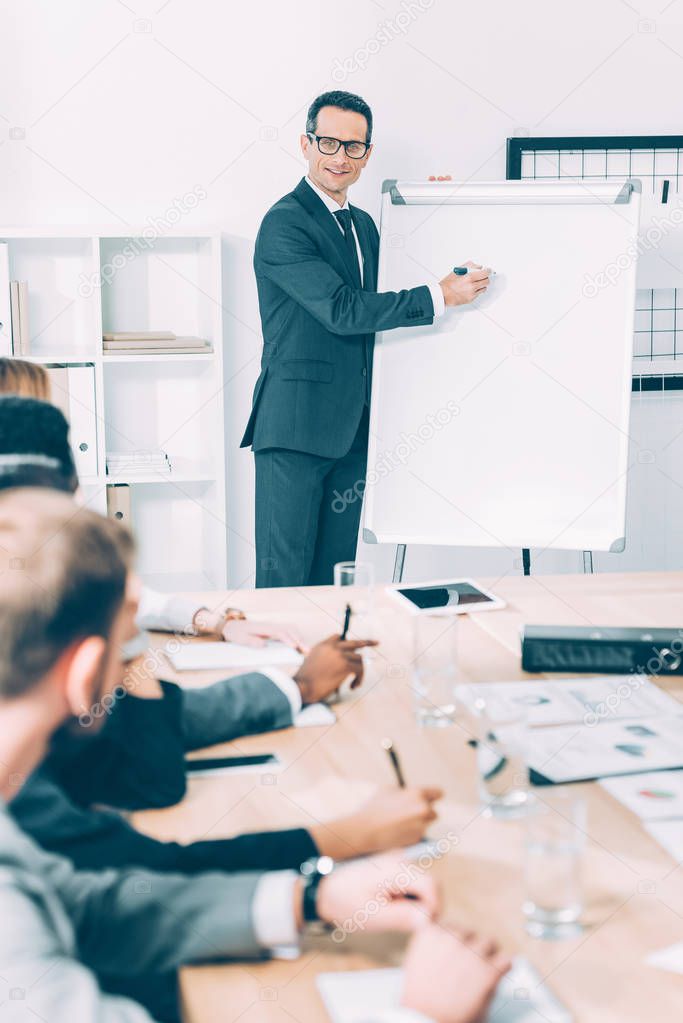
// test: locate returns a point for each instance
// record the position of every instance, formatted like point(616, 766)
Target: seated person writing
point(138, 760)
point(64, 616)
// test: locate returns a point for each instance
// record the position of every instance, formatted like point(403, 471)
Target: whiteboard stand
point(399, 562)
point(526, 561)
point(588, 562)
point(529, 353)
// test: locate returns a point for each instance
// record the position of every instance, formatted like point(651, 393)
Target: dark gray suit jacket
point(137, 762)
point(318, 327)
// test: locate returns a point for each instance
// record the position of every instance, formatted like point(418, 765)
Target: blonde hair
point(26, 379)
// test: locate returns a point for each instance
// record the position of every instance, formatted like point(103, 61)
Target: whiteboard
point(506, 422)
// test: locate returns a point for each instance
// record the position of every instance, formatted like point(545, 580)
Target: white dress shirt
point(334, 207)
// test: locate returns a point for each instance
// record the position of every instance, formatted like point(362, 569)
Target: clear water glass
point(555, 840)
point(360, 574)
point(435, 668)
point(502, 771)
point(354, 573)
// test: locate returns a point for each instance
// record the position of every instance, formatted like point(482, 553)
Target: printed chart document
point(355, 996)
point(653, 796)
point(206, 656)
point(575, 700)
point(578, 752)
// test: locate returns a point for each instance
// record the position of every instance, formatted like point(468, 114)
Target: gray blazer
point(59, 924)
point(318, 327)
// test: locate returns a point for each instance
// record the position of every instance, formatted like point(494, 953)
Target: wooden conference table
point(634, 890)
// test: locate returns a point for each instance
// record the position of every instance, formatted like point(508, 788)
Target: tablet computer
point(446, 596)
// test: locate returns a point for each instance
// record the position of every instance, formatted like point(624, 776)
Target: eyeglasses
point(329, 146)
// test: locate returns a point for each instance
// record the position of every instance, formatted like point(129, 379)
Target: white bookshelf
point(81, 284)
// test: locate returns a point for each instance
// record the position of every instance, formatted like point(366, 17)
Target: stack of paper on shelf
point(131, 463)
point(21, 337)
point(152, 342)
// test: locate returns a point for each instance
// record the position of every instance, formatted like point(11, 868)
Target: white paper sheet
point(670, 958)
point(576, 752)
point(353, 996)
point(212, 656)
point(652, 796)
point(575, 700)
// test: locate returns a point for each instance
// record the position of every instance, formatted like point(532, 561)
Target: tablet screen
point(445, 595)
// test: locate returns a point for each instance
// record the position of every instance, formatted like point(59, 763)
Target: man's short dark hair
point(34, 445)
point(63, 573)
point(342, 100)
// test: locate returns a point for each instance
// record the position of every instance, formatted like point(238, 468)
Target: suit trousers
point(308, 512)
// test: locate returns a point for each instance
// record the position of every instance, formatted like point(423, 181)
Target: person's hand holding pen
point(465, 283)
point(328, 665)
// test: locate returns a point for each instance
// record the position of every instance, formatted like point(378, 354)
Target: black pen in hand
point(347, 620)
point(388, 745)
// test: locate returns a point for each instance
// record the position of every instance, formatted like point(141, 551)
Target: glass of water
point(435, 674)
point(354, 573)
point(360, 574)
point(501, 758)
point(555, 839)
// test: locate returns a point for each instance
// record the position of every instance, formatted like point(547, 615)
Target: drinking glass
point(435, 674)
point(501, 758)
point(361, 575)
point(555, 839)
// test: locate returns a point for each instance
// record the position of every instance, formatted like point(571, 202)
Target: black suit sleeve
point(95, 839)
point(288, 256)
point(136, 762)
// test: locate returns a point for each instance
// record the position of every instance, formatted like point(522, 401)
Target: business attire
point(316, 273)
point(61, 927)
point(137, 762)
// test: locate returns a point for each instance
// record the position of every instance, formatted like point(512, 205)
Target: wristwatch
point(312, 872)
point(233, 614)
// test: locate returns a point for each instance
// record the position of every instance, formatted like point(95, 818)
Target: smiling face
point(334, 174)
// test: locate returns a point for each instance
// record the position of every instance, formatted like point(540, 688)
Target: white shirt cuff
point(437, 300)
point(287, 686)
point(273, 910)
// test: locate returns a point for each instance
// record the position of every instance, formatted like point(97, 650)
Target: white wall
point(111, 111)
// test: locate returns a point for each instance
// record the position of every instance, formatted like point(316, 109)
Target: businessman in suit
point(316, 273)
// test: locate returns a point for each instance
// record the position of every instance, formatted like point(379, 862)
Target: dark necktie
point(344, 218)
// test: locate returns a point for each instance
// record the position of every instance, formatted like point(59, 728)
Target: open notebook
point(357, 996)
point(208, 656)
